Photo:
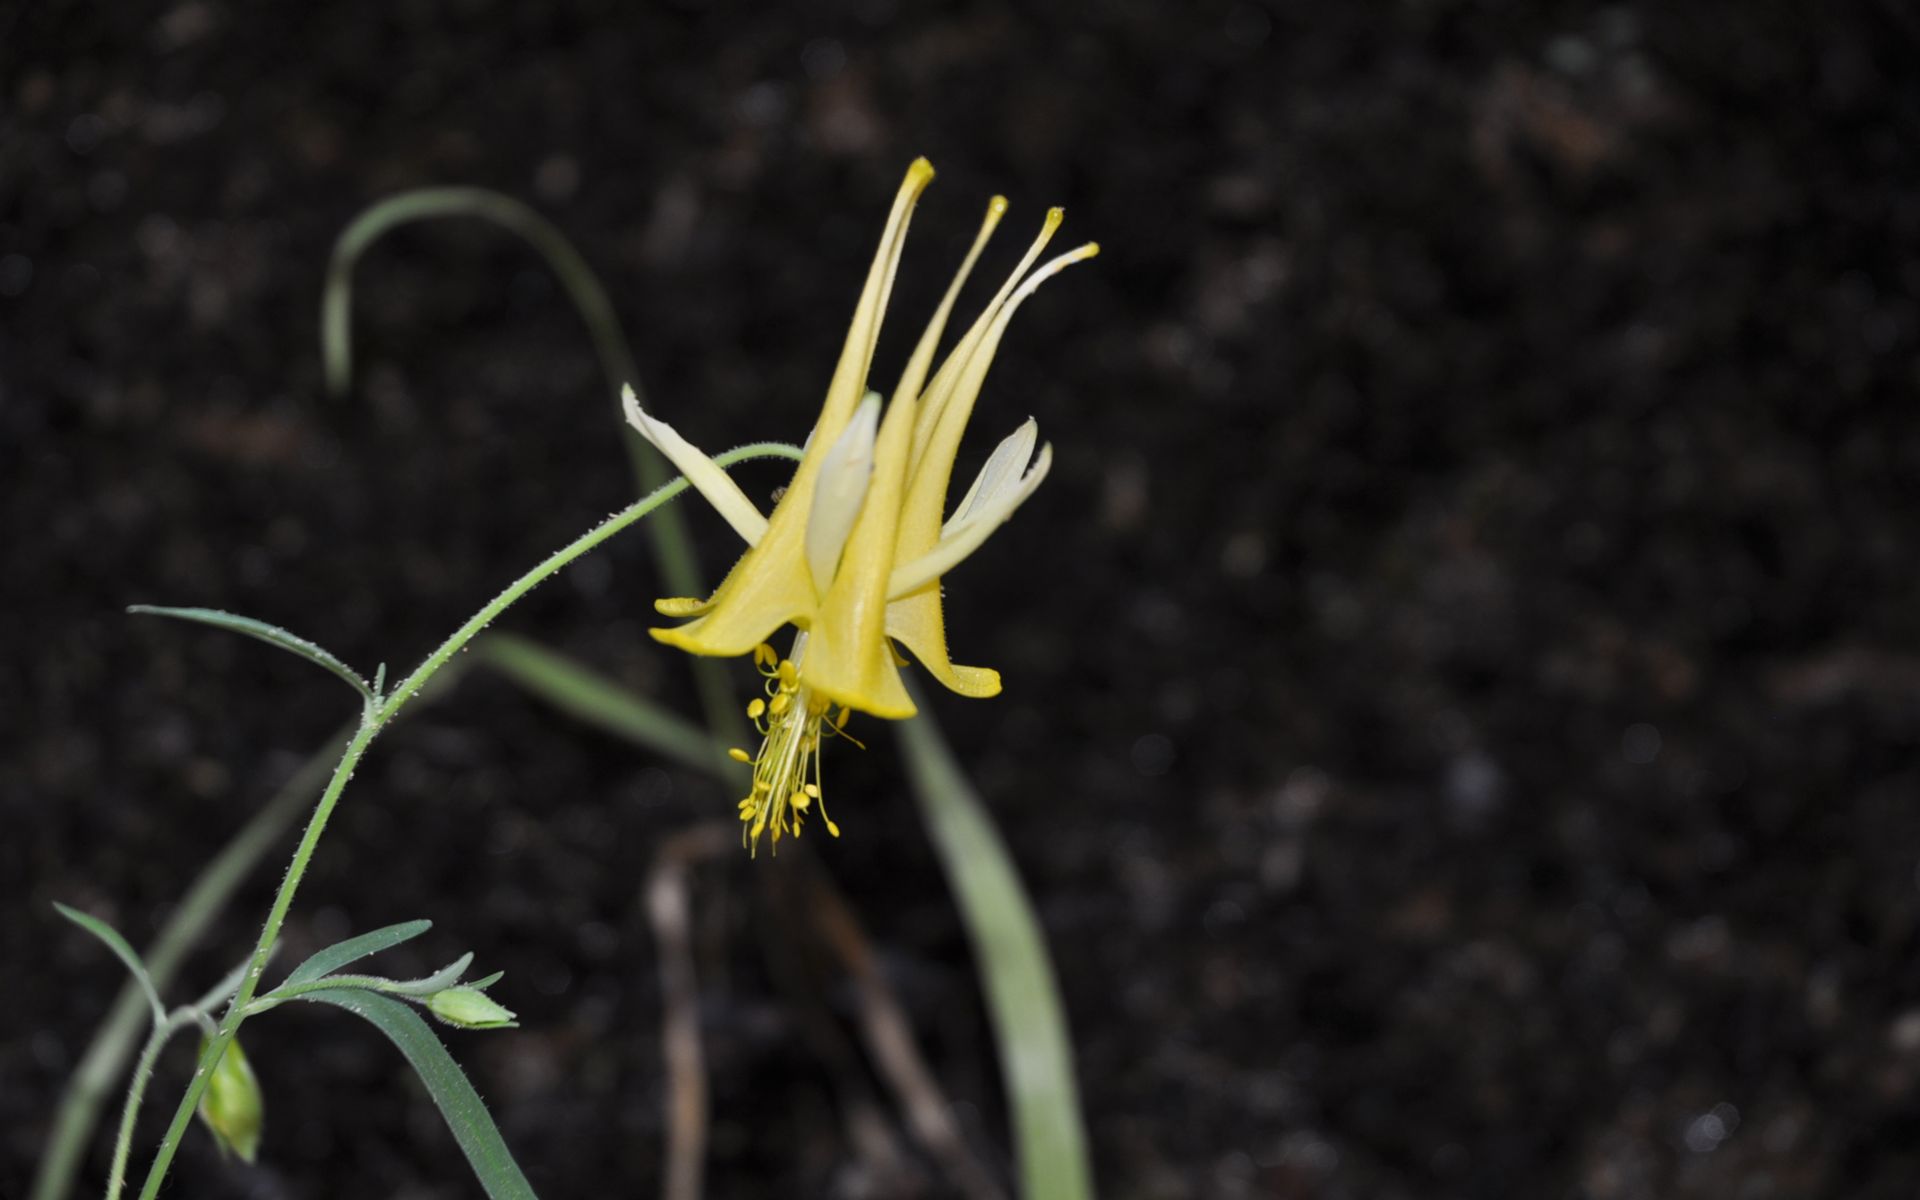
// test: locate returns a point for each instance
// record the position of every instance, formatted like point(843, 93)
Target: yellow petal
point(754, 600)
point(933, 401)
point(849, 382)
point(771, 585)
point(848, 659)
point(927, 489)
point(917, 623)
point(914, 616)
point(914, 378)
point(682, 606)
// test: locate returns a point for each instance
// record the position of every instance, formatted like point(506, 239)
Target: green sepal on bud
point(232, 1107)
point(470, 1008)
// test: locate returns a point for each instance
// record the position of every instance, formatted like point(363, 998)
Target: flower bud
point(470, 1008)
point(232, 1108)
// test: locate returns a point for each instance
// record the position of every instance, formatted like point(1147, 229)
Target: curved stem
point(137, 1090)
point(373, 721)
point(672, 547)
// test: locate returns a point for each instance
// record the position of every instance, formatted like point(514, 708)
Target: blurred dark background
point(1463, 674)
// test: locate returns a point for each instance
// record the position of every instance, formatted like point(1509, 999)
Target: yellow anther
point(792, 718)
point(765, 655)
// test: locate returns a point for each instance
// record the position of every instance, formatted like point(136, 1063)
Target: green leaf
point(1029, 1023)
point(459, 1104)
point(445, 977)
point(127, 954)
point(338, 955)
point(271, 634)
point(598, 701)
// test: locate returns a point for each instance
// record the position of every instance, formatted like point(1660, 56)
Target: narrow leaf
point(271, 634)
point(354, 949)
point(1029, 1023)
point(459, 1104)
point(108, 934)
point(593, 698)
point(445, 977)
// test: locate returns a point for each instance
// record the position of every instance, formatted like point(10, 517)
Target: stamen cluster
point(792, 719)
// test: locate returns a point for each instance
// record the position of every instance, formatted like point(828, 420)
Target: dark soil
point(1463, 715)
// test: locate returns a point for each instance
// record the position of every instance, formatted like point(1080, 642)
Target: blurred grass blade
point(672, 548)
point(111, 936)
point(465, 1115)
point(271, 634)
point(223, 991)
point(1030, 1027)
point(598, 701)
point(353, 950)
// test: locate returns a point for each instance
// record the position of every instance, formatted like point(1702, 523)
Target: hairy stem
point(113, 1043)
point(374, 719)
point(137, 1090)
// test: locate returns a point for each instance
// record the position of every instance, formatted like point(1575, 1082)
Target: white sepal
point(1001, 472)
point(707, 478)
point(968, 535)
point(839, 491)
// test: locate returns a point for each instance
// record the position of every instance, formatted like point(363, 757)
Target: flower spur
point(855, 548)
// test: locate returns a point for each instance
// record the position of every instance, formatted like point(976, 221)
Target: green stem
point(137, 1090)
point(375, 718)
point(106, 1056)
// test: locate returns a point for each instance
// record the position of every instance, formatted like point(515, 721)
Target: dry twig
point(668, 886)
point(890, 1042)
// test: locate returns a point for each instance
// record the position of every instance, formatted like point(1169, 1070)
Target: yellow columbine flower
point(854, 550)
